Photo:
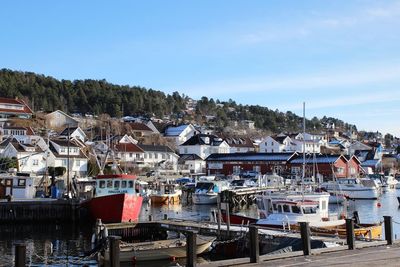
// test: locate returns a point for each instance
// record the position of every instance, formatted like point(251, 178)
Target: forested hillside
point(98, 96)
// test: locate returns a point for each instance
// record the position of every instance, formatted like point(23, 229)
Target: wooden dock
point(375, 253)
point(39, 210)
point(242, 196)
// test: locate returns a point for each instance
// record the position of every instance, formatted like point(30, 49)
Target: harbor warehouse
point(236, 163)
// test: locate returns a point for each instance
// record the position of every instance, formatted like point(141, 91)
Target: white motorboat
point(354, 188)
point(206, 192)
point(389, 182)
point(288, 209)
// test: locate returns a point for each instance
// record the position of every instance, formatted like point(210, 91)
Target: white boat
point(166, 194)
point(206, 192)
point(160, 250)
point(354, 188)
point(287, 210)
point(390, 182)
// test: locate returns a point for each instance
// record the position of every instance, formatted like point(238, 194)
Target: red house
point(236, 163)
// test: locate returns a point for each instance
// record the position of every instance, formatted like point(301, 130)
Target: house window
point(340, 170)
point(185, 151)
point(64, 163)
point(156, 155)
point(164, 156)
point(35, 162)
point(137, 156)
point(130, 155)
point(62, 150)
point(236, 169)
point(77, 163)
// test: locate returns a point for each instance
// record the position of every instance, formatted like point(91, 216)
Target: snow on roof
point(175, 131)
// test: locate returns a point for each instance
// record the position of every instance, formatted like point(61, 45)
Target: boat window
point(309, 210)
point(286, 208)
point(116, 184)
point(109, 183)
point(21, 182)
point(123, 184)
point(274, 207)
point(296, 209)
point(130, 184)
point(102, 184)
point(260, 204)
point(280, 208)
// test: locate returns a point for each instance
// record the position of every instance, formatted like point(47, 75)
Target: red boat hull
point(115, 208)
point(238, 219)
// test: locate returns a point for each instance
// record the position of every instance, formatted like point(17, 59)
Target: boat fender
point(172, 258)
point(342, 216)
point(93, 238)
point(133, 259)
point(379, 204)
point(104, 233)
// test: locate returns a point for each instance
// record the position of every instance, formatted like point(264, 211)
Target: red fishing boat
point(115, 199)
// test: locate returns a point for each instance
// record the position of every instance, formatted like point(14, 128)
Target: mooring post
point(219, 214)
point(228, 219)
point(388, 229)
point(114, 251)
point(191, 249)
point(254, 244)
point(350, 233)
point(305, 237)
point(20, 255)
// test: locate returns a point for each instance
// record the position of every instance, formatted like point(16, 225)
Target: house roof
point(137, 126)
point(70, 129)
point(156, 148)
point(128, 147)
point(239, 142)
point(64, 143)
point(26, 109)
point(279, 138)
point(21, 147)
point(175, 131)
point(185, 157)
point(29, 130)
point(319, 159)
point(370, 163)
point(203, 139)
point(251, 157)
point(55, 153)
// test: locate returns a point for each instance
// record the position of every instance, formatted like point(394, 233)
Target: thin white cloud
point(329, 79)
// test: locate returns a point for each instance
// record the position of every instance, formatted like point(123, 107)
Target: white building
point(180, 134)
point(204, 145)
point(278, 143)
point(158, 156)
point(65, 152)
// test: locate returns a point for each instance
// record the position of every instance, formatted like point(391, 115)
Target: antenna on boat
point(304, 148)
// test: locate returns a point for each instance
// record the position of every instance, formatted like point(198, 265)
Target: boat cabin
point(19, 185)
point(115, 184)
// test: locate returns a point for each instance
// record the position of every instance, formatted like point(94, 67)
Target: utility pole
point(68, 186)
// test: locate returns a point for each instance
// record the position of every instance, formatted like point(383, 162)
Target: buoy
point(379, 204)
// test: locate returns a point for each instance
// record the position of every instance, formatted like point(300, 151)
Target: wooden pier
point(242, 196)
point(40, 210)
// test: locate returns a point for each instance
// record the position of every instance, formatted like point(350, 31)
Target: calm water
point(63, 244)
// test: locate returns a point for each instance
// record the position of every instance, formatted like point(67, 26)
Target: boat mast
point(304, 147)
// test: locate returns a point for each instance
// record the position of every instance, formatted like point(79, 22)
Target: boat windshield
point(309, 210)
point(296, 209)
point(204, 186)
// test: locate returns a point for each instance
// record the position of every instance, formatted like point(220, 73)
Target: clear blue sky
point(341, 57)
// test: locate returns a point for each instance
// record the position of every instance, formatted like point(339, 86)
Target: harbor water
point(65, 245)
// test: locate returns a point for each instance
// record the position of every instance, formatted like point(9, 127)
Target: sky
point(342, 58)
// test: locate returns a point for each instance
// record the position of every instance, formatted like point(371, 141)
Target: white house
point(191, 163)
point(31, 158)
point(64, 152)
point(180, 134)
point(277, 143)
point(129, 152)
point(158, 156)
point(204, 145)
point(59, 119)
point(73, 132)
point(7, 131)
point(10, 107)
point(240, 144)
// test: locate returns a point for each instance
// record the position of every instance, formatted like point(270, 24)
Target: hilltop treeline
point(98, 97)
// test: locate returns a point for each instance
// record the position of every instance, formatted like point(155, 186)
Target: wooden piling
point(114, 251)
point(350, 233)
point(305, 237)
point(191, 249)
point(20, 255)
point(254, 244)
point(388, 229)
